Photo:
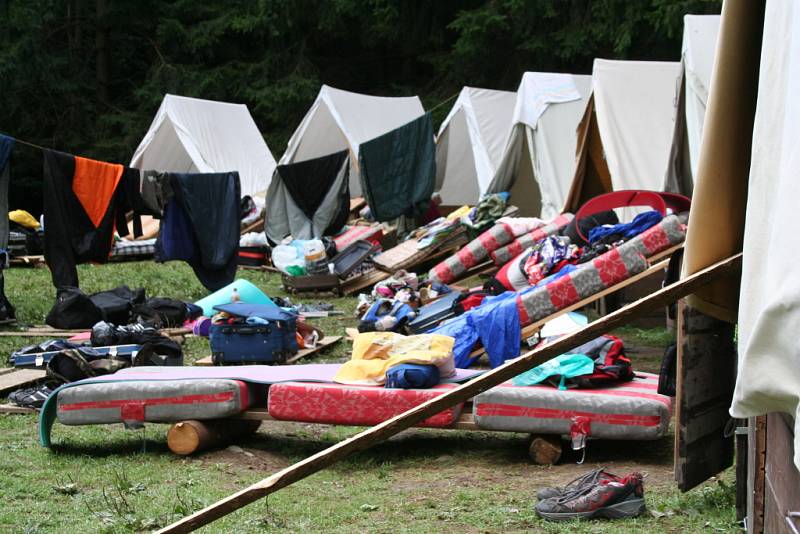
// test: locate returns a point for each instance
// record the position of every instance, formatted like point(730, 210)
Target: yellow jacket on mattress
point(374, 353)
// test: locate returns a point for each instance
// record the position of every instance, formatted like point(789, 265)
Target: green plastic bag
point(566, 365)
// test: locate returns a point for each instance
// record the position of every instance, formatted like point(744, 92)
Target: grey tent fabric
point(398, 170)
point(307, 199)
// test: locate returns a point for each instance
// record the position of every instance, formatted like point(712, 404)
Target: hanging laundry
point(83, 204)
point(398, 170)
point(200, 223)
point(309, 199)
point(6, 145)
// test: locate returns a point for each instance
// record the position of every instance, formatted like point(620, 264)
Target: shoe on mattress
point(591, 478)
point(610, 499)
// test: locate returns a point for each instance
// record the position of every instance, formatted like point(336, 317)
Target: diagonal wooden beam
point(486, 381)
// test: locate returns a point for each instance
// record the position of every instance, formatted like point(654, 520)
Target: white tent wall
point(195, 135)
point(636, 105)
point(456, 175)
point(542, 152)
point(341, 120)
point(471, 142)
point(768, 376)
point(699, 43)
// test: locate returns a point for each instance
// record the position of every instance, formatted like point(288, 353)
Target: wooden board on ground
point(46, 331)
point(14, 409)
point(322, 344)
point(406, 255)
point(362, 281)
point(19, 378)
point(26, 261)
point(463, 392)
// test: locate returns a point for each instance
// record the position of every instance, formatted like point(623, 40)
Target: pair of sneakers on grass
point(597, 494)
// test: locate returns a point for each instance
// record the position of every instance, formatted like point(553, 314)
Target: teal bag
point(566, 365)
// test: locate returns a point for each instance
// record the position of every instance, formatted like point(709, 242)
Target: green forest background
point(87, 76)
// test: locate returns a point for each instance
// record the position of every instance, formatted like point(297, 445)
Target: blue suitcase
point(270, 342)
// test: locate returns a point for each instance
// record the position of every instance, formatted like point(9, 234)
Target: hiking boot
point(611, 499)
point(32, 397)
point(591, 478)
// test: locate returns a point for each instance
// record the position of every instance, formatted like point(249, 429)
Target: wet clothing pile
point(610, 234)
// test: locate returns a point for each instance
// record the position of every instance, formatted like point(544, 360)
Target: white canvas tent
point(697, 59)
point(625, 136)
point(538, 163)
point(195, 135)
point(471, 142)
point(341, 120)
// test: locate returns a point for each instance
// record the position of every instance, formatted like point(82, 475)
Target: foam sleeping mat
point(339, 404)
point(152, 401)
point(633, 410)
point(163, 377)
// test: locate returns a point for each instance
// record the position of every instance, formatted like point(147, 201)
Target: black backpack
point(160, 312)
point(75, 309)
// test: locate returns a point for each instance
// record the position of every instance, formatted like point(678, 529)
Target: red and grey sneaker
point(591, 478)
point(610, 499)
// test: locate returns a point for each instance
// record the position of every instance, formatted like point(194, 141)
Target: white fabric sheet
point(194, 135)
point(538, 90)
point(636, 105)
point(769, 311)
point(341, 120)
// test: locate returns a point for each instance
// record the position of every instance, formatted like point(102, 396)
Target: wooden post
point(706, 377)
point(756, 473)
point(466, 391)
point(545, 449)
point(189, 437)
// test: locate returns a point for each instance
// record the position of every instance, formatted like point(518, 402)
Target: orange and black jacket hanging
point(84, 202)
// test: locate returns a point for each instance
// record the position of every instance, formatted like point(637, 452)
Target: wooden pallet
point(322, 344)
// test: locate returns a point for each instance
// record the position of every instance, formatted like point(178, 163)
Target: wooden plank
point(706, 378)
point(741, 471)
point(357, 283)
point(14, 409)
point(782, 480)
point(463, 392)
point(19, 378)
point(756, 473)
point(322, 344)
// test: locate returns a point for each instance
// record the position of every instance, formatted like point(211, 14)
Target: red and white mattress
point(338, 404)
point(633, 410)
point(157, 401)
point(373, 234)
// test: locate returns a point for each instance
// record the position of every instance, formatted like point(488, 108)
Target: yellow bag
point(374, 353)
point(23, 218)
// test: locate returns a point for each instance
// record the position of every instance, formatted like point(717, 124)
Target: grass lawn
point(108, 479)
